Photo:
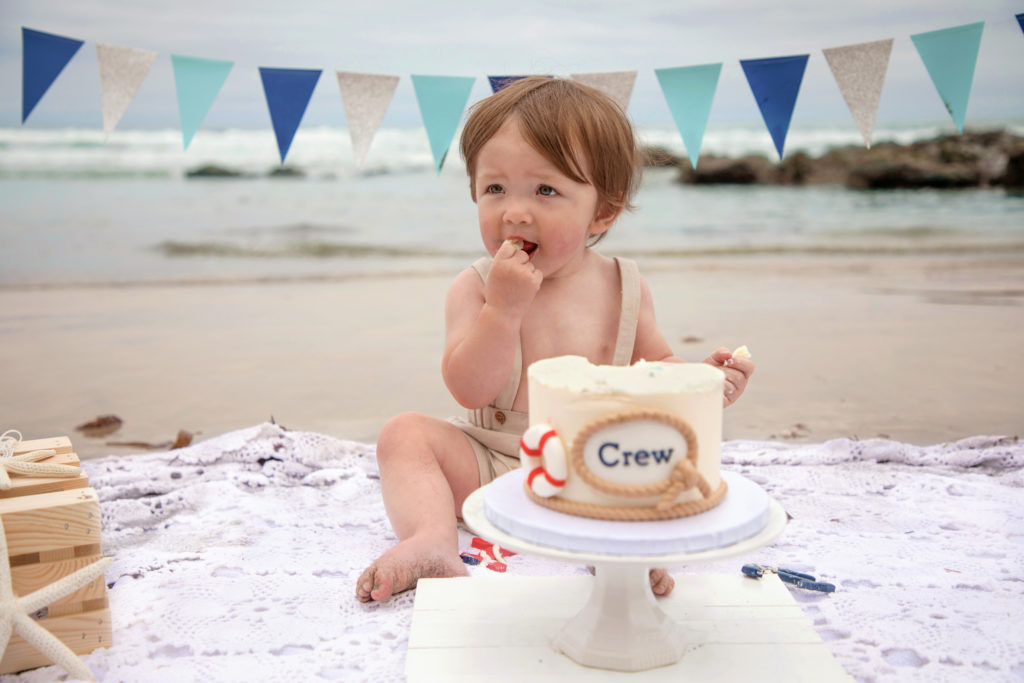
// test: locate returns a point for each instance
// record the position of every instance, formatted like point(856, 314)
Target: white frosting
point(641, 378)
point(571, 394)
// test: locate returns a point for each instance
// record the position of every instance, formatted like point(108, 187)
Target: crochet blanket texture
point(235, 559)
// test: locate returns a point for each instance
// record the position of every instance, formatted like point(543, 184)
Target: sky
point(473, 38)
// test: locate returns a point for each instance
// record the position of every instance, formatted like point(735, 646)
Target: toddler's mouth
point(529, 248)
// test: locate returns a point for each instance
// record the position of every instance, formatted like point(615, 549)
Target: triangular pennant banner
point(689, 91)
point(775, 82)
point(442, 99)
point(287, 92)
point(43, 57)
point(366, 98)
point(499, 82)
point(618, 85)
point(197, 82)
point(1020, 20)
point(122, 70)
point(949, 55)
point(860, 72)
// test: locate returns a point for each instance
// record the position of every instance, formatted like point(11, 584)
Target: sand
point(920, 349)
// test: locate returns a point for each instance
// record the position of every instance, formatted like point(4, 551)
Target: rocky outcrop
point(286, 172)
point(217, 171)
point(912, 174)
point(1013, 179)
point(212, 171)
point(723, 171)
point(988, 159)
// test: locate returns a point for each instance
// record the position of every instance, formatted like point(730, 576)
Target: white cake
point(636, 442)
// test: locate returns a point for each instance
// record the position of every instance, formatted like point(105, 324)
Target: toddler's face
point(520, 194)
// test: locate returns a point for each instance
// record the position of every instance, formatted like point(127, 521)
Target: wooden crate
point(65, 455)
point(52, 528)
point(83, 633)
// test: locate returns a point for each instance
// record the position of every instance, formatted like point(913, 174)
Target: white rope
point(9, 443)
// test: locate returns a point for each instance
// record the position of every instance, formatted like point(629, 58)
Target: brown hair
point(572, 125)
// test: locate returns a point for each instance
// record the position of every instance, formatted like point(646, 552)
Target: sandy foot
point(662, 582)
point(401, 567)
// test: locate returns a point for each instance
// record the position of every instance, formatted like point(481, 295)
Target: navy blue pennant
point(775, 83)
point(43, 57)
point(288, 92)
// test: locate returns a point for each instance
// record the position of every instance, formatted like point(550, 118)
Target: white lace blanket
point(235, 559)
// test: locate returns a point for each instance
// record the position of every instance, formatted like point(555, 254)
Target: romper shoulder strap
point(629, 276)
point(482, 266)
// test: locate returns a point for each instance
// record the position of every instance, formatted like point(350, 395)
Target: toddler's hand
point(737, 371)
point(513, 281)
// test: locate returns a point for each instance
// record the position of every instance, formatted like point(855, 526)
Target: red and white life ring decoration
point(542, 455)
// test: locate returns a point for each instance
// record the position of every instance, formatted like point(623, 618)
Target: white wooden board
point(501, 628)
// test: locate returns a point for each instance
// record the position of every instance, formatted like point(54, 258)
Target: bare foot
point(662, 582)
point(401, 567)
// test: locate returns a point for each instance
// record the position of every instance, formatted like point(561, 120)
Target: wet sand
point(919, 349)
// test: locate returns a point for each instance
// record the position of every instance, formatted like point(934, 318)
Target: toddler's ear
point(605, 217)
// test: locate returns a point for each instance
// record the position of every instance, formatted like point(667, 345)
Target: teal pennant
point(197, 81)
point(689, 91)
point(442, 99)
point(950, 55)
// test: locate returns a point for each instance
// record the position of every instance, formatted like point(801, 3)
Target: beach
point(227, 240)
point(131, 288)
point(922, 349)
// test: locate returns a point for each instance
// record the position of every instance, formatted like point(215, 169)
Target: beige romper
point(494, 431)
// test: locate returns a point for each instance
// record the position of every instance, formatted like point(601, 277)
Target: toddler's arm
point(482, 322)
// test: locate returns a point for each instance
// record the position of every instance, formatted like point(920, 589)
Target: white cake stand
point(621, 627)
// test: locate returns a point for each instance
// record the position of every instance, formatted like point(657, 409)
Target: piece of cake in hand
point(639, 442)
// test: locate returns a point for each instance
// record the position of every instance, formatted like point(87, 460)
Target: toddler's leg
point(427, 469)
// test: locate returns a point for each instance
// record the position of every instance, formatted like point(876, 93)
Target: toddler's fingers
point(735, 384)
point(719, 356)
point(743, 366)
point(506, 249)
point(740, 356)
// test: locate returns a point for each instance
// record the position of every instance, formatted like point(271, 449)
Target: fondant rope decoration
point(632, 514)
point(684, 476)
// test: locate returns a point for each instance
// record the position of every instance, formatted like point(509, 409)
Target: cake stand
point(621, 626)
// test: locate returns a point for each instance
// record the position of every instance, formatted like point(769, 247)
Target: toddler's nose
point(517, 213)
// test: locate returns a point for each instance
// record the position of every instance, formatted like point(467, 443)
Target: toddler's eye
point(495, 189)
point(547, 191)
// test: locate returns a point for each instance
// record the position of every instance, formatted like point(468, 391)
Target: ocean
point(82, 210)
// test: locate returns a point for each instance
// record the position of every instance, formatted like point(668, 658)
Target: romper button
point(500, 417)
